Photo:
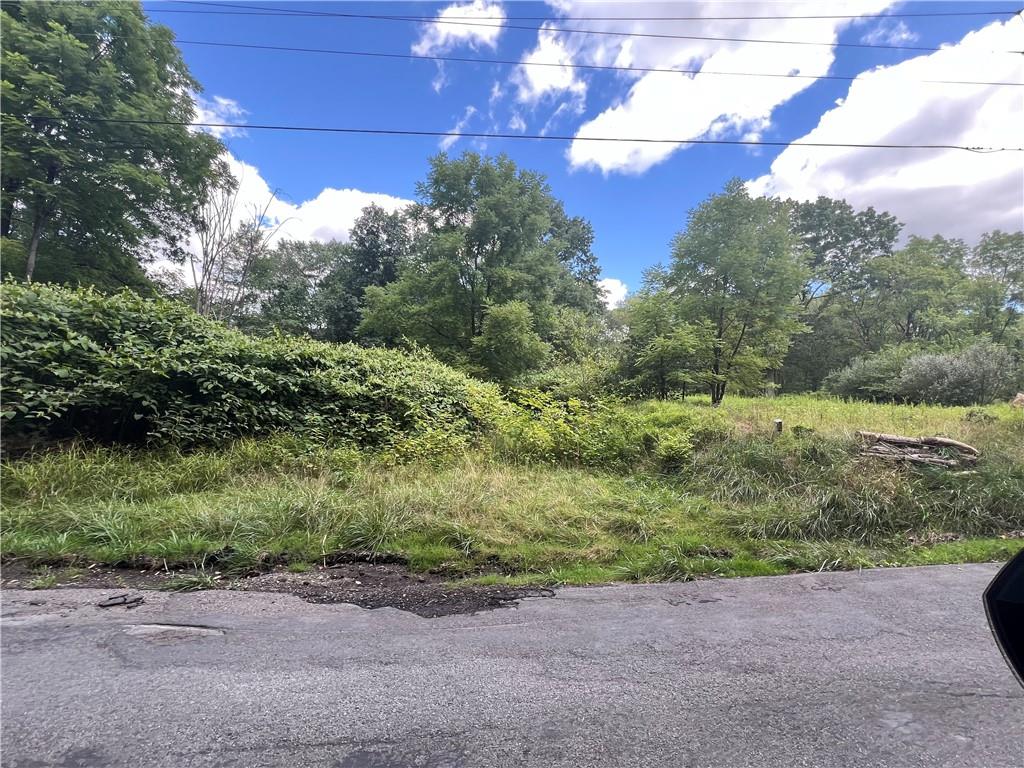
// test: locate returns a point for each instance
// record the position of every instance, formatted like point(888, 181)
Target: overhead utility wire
point(923, 14)
point(657, 35)
point(511, 62)
point(482, 135)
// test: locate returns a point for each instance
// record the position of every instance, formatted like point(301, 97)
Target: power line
point(615, 33)
point(512, 62)
point(285, 12)
point(482, 135)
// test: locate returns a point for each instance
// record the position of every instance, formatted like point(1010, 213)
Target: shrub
point(673, 450)
point(590, 379)
point(974, 376)
point(124, 369)
point(536, 427)
point(870, 378)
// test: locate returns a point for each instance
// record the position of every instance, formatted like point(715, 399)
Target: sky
point(636, 195)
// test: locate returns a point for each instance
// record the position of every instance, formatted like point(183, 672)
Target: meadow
point(714, 492)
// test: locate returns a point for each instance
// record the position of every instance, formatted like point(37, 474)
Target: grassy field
point(742, 502)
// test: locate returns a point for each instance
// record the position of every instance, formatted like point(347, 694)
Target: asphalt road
point(877, 668)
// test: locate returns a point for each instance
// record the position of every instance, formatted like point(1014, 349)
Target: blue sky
point(635, 197)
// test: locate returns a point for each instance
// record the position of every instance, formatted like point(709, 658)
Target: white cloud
point(952, 192)
point(328, 216)
point(218, 109)
point(516, 123)
point(667, 105)
point(535, 82)
point(887, 33)
point(447, 141)
point(439, 38)
point(614, 291)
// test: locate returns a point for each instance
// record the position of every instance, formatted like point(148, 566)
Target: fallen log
point(942, 442)
point(930, 451)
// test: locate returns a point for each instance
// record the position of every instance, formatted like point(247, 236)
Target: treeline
point(489, 273)
point(487, 270)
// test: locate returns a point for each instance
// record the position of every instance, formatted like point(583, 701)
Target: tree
point(82, 199)
point(508, 346)
point(739, 268)
point(231, 243)
point(996, 290)
point(661, 353)
point(840, 242)
point(288, 288)
point(379, 246)
point(485, 234)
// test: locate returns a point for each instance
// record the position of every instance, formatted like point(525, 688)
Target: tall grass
point(735, 500)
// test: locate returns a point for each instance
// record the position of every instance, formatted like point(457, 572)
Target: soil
point(366, 584)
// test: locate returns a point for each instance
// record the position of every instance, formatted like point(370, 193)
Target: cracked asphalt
point(875, 668)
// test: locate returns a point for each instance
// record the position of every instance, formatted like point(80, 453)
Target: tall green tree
point(82, 199)
point(487, 234)
point(840, 243)
point(287, 289)
point(996, 292)
point(739, 268)
point(380, 244)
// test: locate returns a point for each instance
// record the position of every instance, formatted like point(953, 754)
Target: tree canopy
point(737, 269)
point(486, 234)
point(86, 192)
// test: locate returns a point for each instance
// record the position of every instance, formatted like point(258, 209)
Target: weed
point(43, 581)
point(190, 582)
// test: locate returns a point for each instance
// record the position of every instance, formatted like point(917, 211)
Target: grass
point(742, 503)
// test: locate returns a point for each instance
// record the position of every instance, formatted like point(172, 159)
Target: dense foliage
point(85, 200)
point(765, 295)
point(977, 374)
point(131, 370)
point(487, 235)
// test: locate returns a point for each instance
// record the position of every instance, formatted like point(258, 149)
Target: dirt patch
point(366, 584)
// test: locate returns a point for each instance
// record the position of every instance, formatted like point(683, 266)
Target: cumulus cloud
point(669, 106)
point(439, 37)
point(614, 291)
point(328, 216)
point(219, 109)
point(952, 192)
point(535, 82)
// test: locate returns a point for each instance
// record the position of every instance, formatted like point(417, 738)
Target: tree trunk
point(7, 209)
point(33, 245)
point(717, 392)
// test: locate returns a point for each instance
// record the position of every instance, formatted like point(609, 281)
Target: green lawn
point(743, 503)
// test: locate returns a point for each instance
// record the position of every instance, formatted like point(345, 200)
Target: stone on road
point(874, 668)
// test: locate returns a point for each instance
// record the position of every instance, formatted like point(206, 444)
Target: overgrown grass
point(728, 498)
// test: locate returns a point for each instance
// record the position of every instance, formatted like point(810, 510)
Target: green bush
point(871, 378)
point(975, 375)
point(535, 426)
point(124, 369)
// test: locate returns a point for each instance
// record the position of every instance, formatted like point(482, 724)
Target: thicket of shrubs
point(976, 375)
point(124, 369)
